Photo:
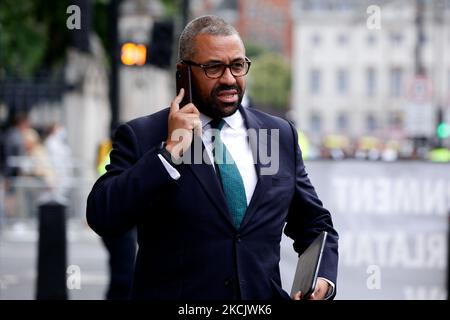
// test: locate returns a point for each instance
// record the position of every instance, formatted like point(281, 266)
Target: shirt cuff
point(174, 174)
point(330, 288)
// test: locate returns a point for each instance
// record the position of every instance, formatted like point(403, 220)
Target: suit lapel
point(264, 181)
point(207, 178)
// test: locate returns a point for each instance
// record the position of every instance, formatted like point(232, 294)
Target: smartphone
point(183, 80)
point(308, 267)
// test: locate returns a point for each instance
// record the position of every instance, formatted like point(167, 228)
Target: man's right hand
point(182, 123)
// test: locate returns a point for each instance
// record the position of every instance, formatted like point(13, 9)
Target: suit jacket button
point(238, 238)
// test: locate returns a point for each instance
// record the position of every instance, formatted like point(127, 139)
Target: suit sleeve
point(307, 218)
point(132, 181)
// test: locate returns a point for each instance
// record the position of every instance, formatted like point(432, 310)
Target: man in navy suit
point(207, 228)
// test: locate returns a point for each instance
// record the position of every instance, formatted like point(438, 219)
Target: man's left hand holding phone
point(183, 122)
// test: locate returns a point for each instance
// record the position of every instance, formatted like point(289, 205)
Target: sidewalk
point(18, 261)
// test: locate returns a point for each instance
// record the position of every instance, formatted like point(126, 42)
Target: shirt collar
point(235, 121)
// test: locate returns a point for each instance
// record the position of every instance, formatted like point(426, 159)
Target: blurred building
point(267, 23)
point(354, 67)
point(262, 23)
point(226, 9)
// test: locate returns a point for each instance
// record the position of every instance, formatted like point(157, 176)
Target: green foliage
point(33, 34)
point(171, 7)
point(270, 81)
point(22, 37)
point(253, 50)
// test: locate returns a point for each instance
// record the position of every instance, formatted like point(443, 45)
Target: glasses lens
point(239, 68)
point(215, 70)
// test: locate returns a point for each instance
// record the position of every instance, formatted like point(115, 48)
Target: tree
point(270, 82)
point(22, 37)
point(34, 34)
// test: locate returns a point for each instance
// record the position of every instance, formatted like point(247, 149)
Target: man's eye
point(214, 68)
point(238, 65)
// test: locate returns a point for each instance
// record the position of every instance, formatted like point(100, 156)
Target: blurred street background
point(366, 82)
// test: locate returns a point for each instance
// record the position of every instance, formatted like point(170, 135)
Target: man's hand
point(181, 124)
point(319, 293)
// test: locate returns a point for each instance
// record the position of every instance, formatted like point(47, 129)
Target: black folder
point(308, 267)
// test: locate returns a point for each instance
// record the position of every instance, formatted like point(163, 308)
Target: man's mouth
point(228, 96)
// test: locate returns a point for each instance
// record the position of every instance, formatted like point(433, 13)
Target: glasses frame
point(204, 66)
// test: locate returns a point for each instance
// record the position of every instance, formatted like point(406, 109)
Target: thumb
point(175, 105)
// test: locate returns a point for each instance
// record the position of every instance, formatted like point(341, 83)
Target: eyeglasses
point(216, 70)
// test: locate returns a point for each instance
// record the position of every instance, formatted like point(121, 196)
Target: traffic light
point(442, 127)
point(133, 54)
point(157, 53)
point(160, 51)
point(443, 130)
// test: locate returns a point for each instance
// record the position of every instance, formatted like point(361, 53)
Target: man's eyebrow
point(213, 62)
point(220, 61)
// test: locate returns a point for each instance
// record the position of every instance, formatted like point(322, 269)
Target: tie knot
point(217, 124)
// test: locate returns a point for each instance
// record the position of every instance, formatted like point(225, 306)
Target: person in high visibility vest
point(304, 144)
point(441, 155)
point(103, 156)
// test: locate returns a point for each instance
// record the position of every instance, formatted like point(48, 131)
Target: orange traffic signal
point(133, 54)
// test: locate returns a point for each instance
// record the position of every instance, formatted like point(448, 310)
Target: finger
point(175, 105)
point(193, 122)
point(198, 127)
point(297, 296)
point(190, 117)
point(190, 108)
point(312, 296)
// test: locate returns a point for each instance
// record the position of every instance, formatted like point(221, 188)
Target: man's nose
point(227, 77)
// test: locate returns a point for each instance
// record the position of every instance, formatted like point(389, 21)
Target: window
point(396, 82)
point(315, 5)
point(314, 81)
point(371, 123)
point(342, 81)
point(395, 120)
point(396, 38)
point(315, 122)
point(342, 39)
point(316, 40)
point(371, 84)
point(371, 39)
point(342, 122)
point(423, 39)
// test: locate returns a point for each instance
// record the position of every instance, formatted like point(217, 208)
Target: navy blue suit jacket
point(188, 246)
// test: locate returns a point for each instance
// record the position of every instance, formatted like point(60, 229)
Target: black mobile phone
point(183, 80)
point(308, 267)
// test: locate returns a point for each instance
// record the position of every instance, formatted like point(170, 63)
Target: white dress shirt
point(234, 136)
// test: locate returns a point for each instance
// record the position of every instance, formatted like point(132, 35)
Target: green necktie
point(229, 176)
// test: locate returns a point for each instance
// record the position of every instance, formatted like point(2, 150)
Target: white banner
point(392, 219)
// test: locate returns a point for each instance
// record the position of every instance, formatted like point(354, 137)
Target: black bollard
point(52, 255)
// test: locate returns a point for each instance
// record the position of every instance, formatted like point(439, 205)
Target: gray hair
point(209, 24)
